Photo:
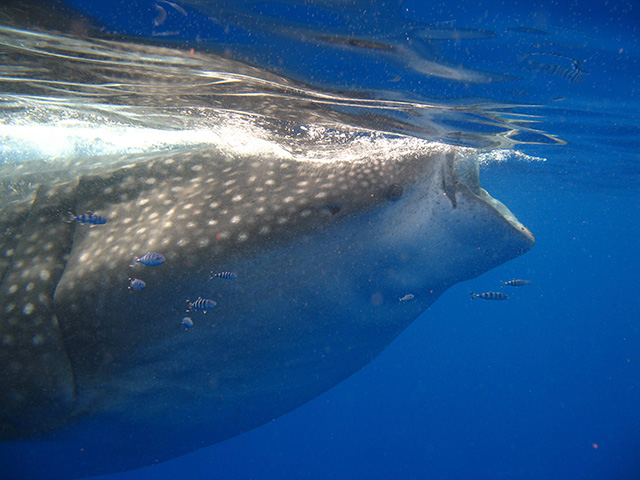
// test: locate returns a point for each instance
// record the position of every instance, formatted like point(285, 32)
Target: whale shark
point(338, 237)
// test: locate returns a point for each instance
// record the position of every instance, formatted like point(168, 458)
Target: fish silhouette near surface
point(93, 376)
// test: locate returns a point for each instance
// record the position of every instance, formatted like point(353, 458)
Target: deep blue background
point(545, 385)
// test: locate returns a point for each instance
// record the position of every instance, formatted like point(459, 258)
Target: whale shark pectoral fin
point(36, 385)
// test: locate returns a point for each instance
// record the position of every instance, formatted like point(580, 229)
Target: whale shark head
point(338, 238)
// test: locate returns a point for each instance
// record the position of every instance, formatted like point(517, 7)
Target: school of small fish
point(154, 259)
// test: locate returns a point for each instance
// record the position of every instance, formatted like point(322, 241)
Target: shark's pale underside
point(327, 226)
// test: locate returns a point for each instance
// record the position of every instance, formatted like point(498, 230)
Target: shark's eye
point(394, 192)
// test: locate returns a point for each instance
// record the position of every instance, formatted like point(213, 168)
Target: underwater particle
point(517, 282)
point(201, 304)
point(490, 296)
point(377, 299)
point(187, 323)
point(407, 298)
point(150, 259)
point(88, 217)
point(224, 275)
point(136, 284)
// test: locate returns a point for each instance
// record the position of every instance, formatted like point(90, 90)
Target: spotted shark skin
point(97, 379)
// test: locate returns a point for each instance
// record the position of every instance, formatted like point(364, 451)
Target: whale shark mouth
point(467, 168)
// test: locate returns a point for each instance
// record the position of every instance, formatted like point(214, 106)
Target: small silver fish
point(202, 304)
point(224, 275)
point(136, 284)
point(517, 282)
point(490, 296)
point(150, 259)
point(187, 322)
point(407, 298)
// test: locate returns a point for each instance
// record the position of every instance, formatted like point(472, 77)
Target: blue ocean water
point(545, 385)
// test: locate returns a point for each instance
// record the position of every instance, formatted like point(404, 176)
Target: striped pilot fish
point(88, 217)
point(136, 284)
point(517, 282)
point(150, 259)
point(490, 296)
point(224, 275)
point(202, 304)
